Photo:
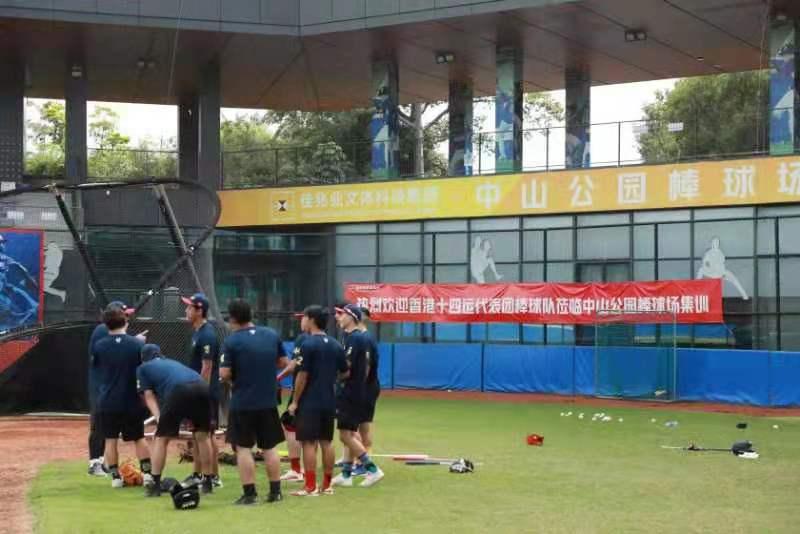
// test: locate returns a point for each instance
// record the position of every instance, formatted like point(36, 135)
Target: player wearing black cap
point(365, 429)
point(204, 359)
point(249, 359)
point(174, 393)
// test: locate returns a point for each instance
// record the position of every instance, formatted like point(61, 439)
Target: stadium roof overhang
point(312, 69)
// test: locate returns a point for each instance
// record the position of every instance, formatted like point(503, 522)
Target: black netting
point(144, 243)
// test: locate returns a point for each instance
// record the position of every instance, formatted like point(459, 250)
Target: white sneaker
point(370, 479)
point(341, 480)
point(305, 493)
point(117, 483)
point(96, 469)
point(216, 481)
point(292, 476)
point(147, 479)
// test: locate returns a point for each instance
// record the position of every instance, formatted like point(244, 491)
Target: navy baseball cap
point(122, 306)
point(150, 351)
point(352, 310)
point(198, 300)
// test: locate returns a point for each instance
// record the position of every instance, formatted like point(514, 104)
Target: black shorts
point(213, 413)
point(369, 406)
point(187, 401)
point(247, 428)
point(130, 425)
point(349, 416)
point(313, 426)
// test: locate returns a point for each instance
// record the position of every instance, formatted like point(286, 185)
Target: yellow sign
point(717, 183)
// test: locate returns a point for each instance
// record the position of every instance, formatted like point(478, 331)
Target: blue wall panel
point(385, 364)
point(527, 369)
point(784, 379)
point(736, 376)
point(584, 370)
point(437, 366)
point(634, 371)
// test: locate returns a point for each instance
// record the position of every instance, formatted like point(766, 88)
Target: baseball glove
point(131, 475)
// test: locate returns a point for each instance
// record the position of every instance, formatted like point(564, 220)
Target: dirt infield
point(592, 401)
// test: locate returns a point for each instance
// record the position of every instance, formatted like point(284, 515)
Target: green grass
point(588, 477)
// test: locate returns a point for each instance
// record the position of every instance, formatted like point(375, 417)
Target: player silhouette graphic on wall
point(713, 266)
point(481, 259)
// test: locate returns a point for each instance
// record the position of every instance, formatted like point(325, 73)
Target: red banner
point(681, 301)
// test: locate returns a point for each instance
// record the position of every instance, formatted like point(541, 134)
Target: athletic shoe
point(152, 490)
point(339, 463)
point(274, 497)
point(327, 491)
point(147, 478)
point(96, 470)
point(246, 500)
point(207, 487)
point(192, 480)
point(341, 480)
point(117, 483)
point(305, 493)
point(292, 476)
point(216, 481)
point(370, 479)
point(359, 471)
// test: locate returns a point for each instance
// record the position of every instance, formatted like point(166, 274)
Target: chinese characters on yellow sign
point(737, 182)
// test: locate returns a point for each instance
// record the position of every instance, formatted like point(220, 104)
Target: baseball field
point(589, 476)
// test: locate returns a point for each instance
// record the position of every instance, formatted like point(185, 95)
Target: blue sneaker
point(359, 471)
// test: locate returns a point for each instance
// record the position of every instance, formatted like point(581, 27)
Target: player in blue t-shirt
point(173, 393)
point(353, 400)
point(97, 444)
point(295, 449)
point(320, 362)
point(119, 409)
point(250, 356)
point(204, 359)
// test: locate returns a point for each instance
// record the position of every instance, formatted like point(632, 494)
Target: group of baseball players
point(333, 384)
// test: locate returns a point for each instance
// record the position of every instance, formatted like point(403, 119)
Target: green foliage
point(588, 477)
point(247, 151)
point(721, 115)
point(540, 110)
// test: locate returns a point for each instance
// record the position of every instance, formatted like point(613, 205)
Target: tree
point(248, 155)
point(707, 116)
point(48, 140)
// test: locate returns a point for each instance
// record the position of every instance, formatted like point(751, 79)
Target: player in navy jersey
point(353, 400)
point(295, 449)
point(204, 359)
point(119, 409)
point(366, 428)
point(250, 356)
point(320, 362)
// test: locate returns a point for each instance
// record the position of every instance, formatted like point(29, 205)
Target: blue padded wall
point(736, 376)
point(528, 368)
point(437, 366)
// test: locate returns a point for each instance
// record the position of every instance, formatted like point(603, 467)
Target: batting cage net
point(69, 251)
point(636, 355)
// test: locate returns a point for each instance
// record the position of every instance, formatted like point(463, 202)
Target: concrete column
point(783, 91)
point(384, 128)
point(508, 111)
point(188, 138)
point(12, 119)
point(209, 167)
point(460, 133)
point(578, 118)
point(75, 142)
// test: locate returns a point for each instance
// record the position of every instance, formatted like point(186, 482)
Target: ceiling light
point(632, 36)
point(445, 57)
point(77, 72)
point(140, 63)
point(700, 58)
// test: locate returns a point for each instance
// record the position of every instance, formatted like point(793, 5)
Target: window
point(454, 274)
point(559, 221)
point(502, 246)
point(789, 285)
point(674, 240)
point(734, 238)
point(400, 248)
point(560, 272)
point(789, 236)
point(533, 272)
point(451, 248)
point(400, 275)
point(559, 245)
point(356, 250)
point(603, 243)
point(352, 274)
point(766, 236)
point(533, 246)
point(767, 288)
point(509, 223)
point(644, 241)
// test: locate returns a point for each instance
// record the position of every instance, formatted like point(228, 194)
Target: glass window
point(400, 228)
point(356, 250)
point(766, 236)
point(789, 236)
point(590, 272)
point(789, 285)
point(451, 332)
point(456, 274)
point(501, 246)
point(559, 245)
point(560, 334)
point(724, 213)
point(559, 221)
point(735, 238)
point(533, 246)
point(644, 271)
point(508, 271)
point(603, 219)
point(737, 285)
point(507, 223)
point(603, 243)
point(533, 333)
point(352, 274)
point(560, 272)
point(767, 332)
point(767, 288)
point(673, 240)
point(401, 249)
point(428, 244)
point(356, 228)
point(790, 332)
point(533, 272)
point(451, 248)
point(772, 211)
point(661, 216)
point(618, 272)
point(674, 270)
point(400, 275)
point(503, 332)
point(644, 241)
point(446, 226)
point(428, 274)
